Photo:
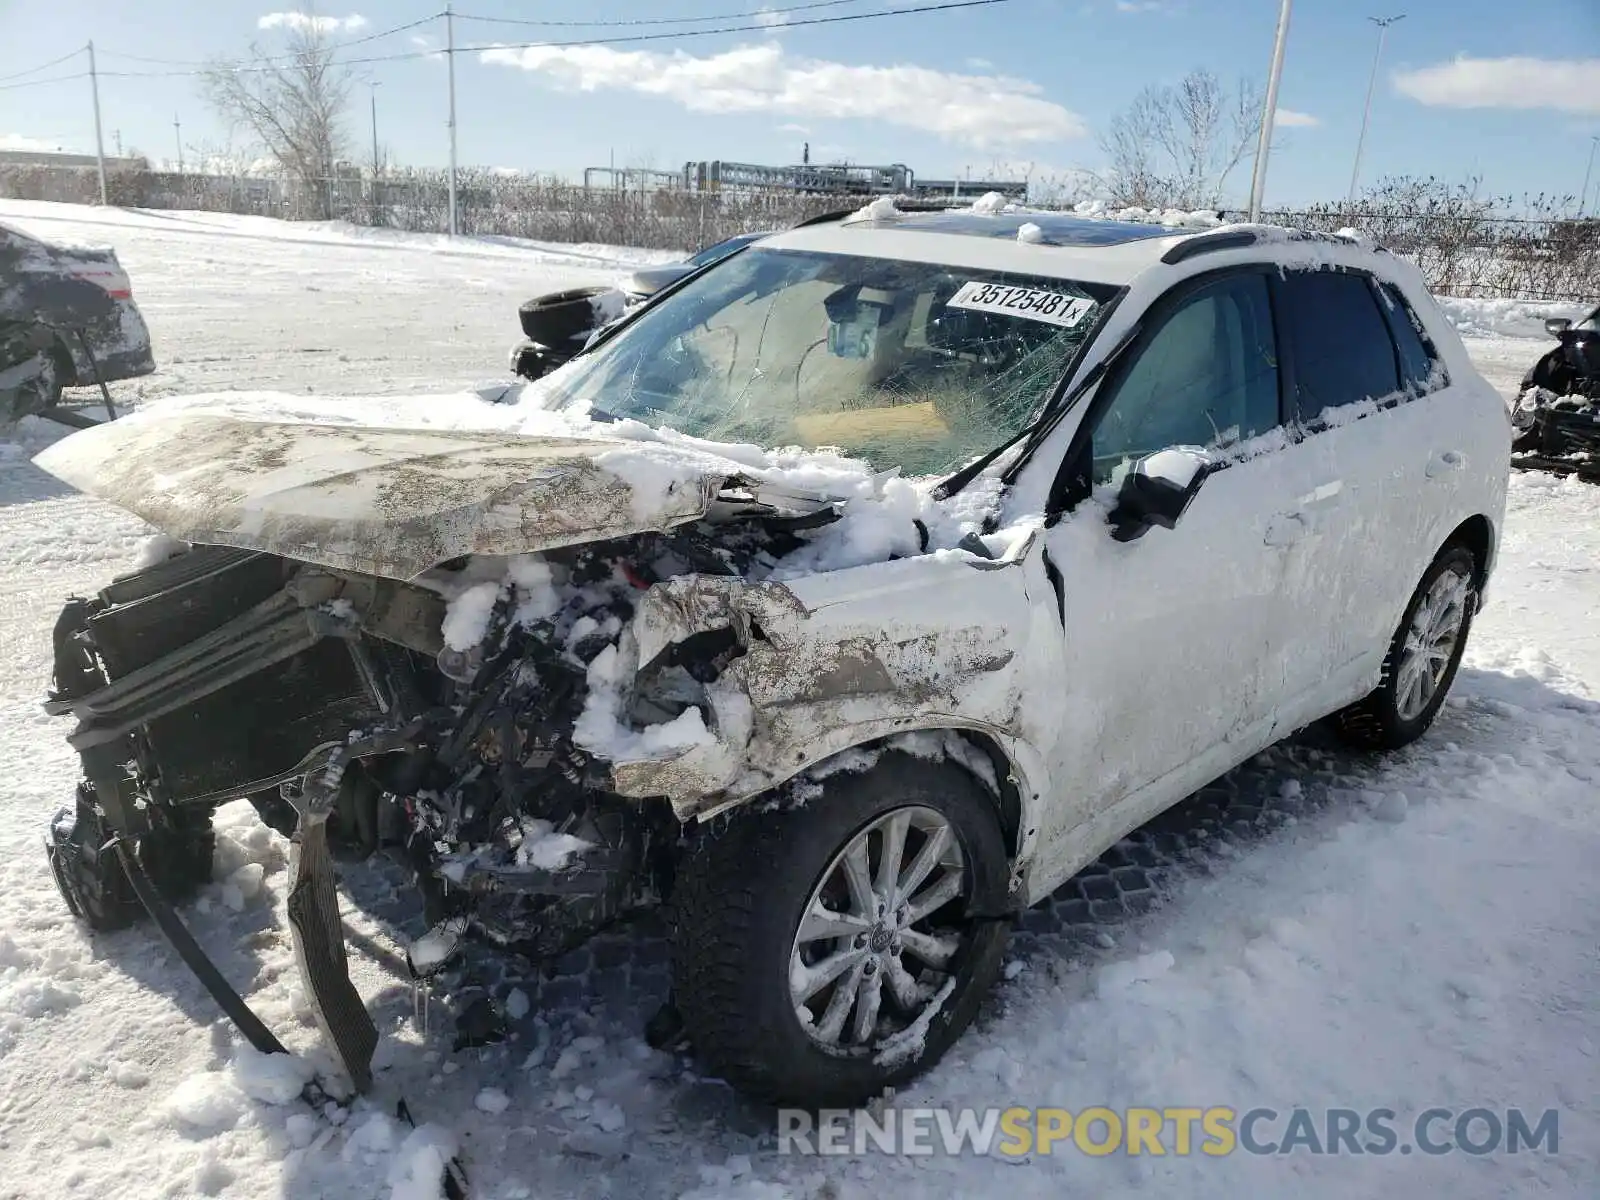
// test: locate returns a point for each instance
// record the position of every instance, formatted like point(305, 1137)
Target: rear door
point(1369, 408)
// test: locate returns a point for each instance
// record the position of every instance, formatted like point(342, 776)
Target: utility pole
point(450, 53)
point(177, 132)
point(99, 142)
point(1583, 200)
point(1383, 24)
point(373, 87)
point(1269, 115)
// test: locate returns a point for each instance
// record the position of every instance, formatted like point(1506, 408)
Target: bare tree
point(1176, 144)
point(293, 103)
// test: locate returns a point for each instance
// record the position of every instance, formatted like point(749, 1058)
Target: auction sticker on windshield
point(1051, 307)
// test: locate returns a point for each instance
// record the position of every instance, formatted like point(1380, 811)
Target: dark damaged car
point(1557, 414)
point(67, 319)
point(841, 602)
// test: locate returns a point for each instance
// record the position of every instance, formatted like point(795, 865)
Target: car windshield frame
point(965, 376)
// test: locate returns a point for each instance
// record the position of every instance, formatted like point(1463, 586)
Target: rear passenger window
point(1417, 358)
point(1340, 341)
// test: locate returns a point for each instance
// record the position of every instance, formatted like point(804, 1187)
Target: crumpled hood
point(390, 502)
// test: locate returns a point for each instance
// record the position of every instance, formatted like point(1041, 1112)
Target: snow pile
point(542, 847)
point(883, 208)
point(1199, 218)
point(270, 1078)
point(467, 616)
point(436, 947)
point(1506, 318)
point(1029, 233)
point(417, 1171)
point(492, 1101)
point(205, 1104)
point(991, 202)
point(601, 730)
point(608, 306)
point(157, 548)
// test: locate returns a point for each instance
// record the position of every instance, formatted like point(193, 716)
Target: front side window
point(920, 366)
point(1342, 349)
point(1207, 376)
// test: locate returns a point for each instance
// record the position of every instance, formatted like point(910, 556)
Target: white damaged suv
point(844, 600)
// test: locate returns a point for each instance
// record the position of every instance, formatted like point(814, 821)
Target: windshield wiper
point(1038, 430)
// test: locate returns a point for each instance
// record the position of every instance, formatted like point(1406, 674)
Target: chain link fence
point(1464, 244)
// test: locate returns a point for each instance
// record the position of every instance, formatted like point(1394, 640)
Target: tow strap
point(311, 900)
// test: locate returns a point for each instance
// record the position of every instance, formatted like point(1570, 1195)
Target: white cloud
point(980, 64)
point(1141, 6)
point(431, 45)
point(310, 21)
point(1563, 85)
point(770, 18)
point(791, 127)
point(1295, 120)
point(976, 110)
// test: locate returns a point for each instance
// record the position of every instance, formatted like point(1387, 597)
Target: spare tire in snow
point(559, 316)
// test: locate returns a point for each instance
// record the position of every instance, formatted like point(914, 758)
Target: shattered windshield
point(912, 365)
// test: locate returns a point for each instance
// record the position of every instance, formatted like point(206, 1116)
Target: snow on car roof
point(1055, 229)
point(1108, 253)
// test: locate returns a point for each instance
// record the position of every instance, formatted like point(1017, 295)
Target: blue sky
point(1505, 89)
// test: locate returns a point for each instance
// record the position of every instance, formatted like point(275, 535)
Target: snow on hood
point(394, 486)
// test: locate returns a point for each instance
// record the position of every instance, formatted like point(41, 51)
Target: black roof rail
point(823, 218)
point(904, 206)
point(1205, 243)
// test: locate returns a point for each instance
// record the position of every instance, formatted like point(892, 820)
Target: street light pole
point(1383, 24)
point(1258, 177)
point(1583, 199)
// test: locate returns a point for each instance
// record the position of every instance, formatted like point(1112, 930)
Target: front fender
point(828, 662)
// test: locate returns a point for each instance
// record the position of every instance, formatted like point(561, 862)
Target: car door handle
point(1322, 497)
point(1444, 462)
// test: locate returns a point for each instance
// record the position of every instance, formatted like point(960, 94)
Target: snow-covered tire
point(559, 317)
point(91, 878)
point(740, 955)
point(1393, 715)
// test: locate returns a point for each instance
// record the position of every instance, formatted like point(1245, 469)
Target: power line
point(273, 58)
point(41, 82)
point(603, 41)
point(688, 33)
point(734, 16)
point(54, 62)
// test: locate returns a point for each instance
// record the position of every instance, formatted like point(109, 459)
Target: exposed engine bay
point(335, 697)
point(466, 757)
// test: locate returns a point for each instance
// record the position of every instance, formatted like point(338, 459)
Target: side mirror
point(1158, 491)
point(1556, 326)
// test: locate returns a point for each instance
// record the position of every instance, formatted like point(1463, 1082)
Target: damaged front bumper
point(169, 722)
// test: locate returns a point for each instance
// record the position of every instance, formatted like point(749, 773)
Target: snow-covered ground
point(1317, 929)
